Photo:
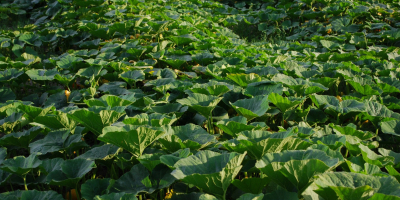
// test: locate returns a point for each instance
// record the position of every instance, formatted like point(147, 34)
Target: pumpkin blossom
point(67, 94)
point(169, 194)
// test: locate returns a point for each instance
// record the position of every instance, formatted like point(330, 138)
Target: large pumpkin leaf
point(95, 122)
point(251, 108)
point(130, 138)
point(213, 172)
point(347, 185)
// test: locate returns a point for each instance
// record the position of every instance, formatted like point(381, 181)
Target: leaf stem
point(78, 196)
point(26, 187)
point(209, 124)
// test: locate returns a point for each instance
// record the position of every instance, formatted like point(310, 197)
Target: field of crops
point(199, 99)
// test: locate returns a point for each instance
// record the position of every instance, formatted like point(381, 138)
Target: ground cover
point(198, 99)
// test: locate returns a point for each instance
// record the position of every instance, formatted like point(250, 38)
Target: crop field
point(199, 99)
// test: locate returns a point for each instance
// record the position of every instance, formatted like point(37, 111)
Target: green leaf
point(286, 156)
point(42, 74)
point(114, 101)
point(71, 172)
point(103, 152)
point(171, 159)
point(332, 103)
point(52, 122)
point(299, 85)
point(10, 74)
point(64, 79)
point(29, 38)
point(68, 62)
point(283, 103)
point(33, 111)
point(233, 128)
point(263, 88)
point(45, 195)
point(188, 136)
point(11, 123)
point(375, 159)
point(347, 185)
point(138, 179)
point(177, 60)
point(59, 100)
point(20, 139)
point(94, 70)
point(244, 79)
point(94, 187)
point(331, 46)
point(3, 154)
point(348, 130)
point(93, 121)
point(363, 86)
point(393, 172)
point(333, 141)
point(281, 194)
point(216, 90)
point(297, 173)
point(358, 165)
point(204, 104)
point(250, 196)
point(6, 94)
point(376, 112)
point(193, 195)
point(251, 108)
point(21, 165)
point(343, 24)
point(183, 39)
point(131, 77)
point(154, 119)
point(150, 161)
point(391, 127)
point(57, 141)
point(132, 139)
point(213, 172)
point(275, 145)
point(251, 185)
point(50, 165)
point(379, 196)
point(396, 156)
point(114, 196)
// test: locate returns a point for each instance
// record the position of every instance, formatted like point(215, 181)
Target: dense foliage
point(200, 99)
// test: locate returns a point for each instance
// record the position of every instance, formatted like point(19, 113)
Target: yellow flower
point(168, 195)
point(67, 93)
